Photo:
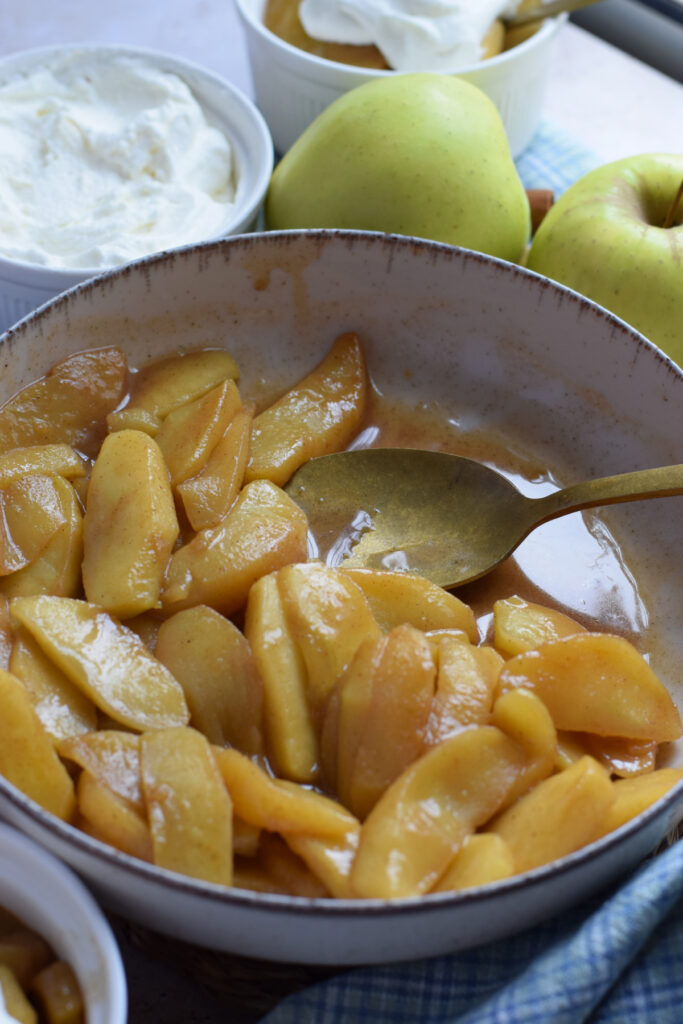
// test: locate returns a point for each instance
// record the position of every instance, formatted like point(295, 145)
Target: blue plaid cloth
point(554, 159)
point(614, 960)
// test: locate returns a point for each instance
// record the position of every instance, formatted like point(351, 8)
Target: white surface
point(614, 104)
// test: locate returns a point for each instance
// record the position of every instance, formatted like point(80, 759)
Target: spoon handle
point(609, 490)
point(546, 10)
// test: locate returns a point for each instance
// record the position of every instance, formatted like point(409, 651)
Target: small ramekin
point(26, 286)
point(47, 897)
point(292, 87)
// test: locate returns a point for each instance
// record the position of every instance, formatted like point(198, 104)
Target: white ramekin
point(292, 87)
point(50, 899)
point(25, 286)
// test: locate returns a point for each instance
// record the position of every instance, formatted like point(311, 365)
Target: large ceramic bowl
point(507, 358)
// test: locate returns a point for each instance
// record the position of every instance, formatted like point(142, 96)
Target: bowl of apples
point(239, 741)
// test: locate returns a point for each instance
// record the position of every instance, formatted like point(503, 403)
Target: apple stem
point(671, 215)
point(540, 201)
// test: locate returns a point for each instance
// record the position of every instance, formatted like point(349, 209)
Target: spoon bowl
point(442, 516)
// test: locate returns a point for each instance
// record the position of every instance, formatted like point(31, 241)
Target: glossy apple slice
point(213, 662)
point(413, 832)
point(63, 708)
point(31, 513)
point(130, 525)
point(105, 660)
point(319, 415)
point(263, 531)
point(190, 433)
point(291, 740)
point(189, 810)
point(57, 568)
point(593, 682)
point(208, 496)
point(41, 776)
point(69, 405)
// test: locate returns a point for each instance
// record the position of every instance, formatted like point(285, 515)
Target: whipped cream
point(105, 158)
point(413, 35)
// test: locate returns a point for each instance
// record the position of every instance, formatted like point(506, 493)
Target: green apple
point(414, 154)
point(606, 238)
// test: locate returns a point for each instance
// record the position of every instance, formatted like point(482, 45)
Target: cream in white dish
point(412, 35)
point(105, 158)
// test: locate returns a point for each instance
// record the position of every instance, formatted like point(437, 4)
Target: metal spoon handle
point(547, 10)
point(645, 483)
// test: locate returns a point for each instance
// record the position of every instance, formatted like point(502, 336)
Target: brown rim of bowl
point(247, 240)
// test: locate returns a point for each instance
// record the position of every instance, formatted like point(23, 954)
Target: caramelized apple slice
point(190, 433)
point(346, 716)
point(597, 683)
point(105, 660)
point(633, 796)
point(522, 716)
point(189, 810)
point(319, 415)
point(466, 681)
point(168, 383)
point(397, 597)
point(263, 531)
point(112, 819)
point(6, 633)
point(421, 821)
point(130, 525)
point(285, 871)
point(561, 814)
point(62, 708)
point(394, 727)
point(328, 618)
point(112, 757)
point(328, 859)
point(67, 406)
point(14, 999)
point(290, 737)
point(522, 625)
point(208, 496)
point(278, 805)
point(483, 857)
point(31, 513)
point(622, 757)
point(213, 663)
point(57, 569)
point(40, 460)
point(39, 774)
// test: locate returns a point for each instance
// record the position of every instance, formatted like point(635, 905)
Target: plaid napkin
point(554, 159)
point(614, 960)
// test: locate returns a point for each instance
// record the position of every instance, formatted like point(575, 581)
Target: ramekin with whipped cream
point(109, 154)
point(293, 84)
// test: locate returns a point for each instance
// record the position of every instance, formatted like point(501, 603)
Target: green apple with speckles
point(415, 154)
point(616, 236)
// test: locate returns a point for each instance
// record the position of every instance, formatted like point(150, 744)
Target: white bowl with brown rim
point(464, 350)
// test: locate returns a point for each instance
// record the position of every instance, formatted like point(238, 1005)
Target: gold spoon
point(544, 10)
point(442, 516)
